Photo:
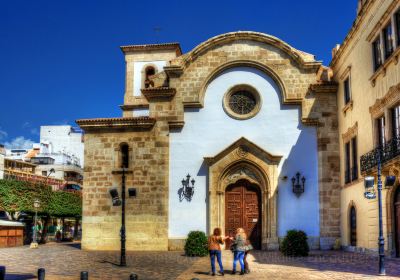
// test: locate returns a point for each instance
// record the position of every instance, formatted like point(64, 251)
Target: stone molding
point(228, 110)
point(244, 160)
point(351, 34)
point(152, 47)
point(243, 145)
point(350, 133)
point(160, 93)
point(304, 60)
point(113, 124)
point(390, 99)
point(380, 24)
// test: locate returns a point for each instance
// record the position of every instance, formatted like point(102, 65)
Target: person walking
point(214, 247)
point(239, 249)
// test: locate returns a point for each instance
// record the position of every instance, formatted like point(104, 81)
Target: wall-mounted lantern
point(369, 182)
point(187, 190)
point(298, 184)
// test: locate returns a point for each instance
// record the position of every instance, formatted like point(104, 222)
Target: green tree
point(18, 196)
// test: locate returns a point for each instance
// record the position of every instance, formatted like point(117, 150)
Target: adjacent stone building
point(215, 138)
point(367, 71)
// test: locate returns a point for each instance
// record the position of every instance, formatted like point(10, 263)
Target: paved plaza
point(66, 261)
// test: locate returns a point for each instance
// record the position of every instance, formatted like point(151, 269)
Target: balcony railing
point(30, 177)
point(387, 152)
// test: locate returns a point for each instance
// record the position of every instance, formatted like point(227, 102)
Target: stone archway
point(243, 160)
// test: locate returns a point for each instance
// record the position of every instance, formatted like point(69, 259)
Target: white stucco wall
point(276, 128)
point(62, 138)
point(137, 74)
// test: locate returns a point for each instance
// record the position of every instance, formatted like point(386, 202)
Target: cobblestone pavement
point(66, 261)
point(319, 265)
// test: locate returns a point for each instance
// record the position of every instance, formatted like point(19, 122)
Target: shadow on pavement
point(19, 276)
point(75, 245)
point(356, 263)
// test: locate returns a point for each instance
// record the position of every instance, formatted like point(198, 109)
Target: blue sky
point(60, 60)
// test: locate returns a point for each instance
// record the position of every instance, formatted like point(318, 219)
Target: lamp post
point(34, 244)
point(123, 234)
point(369, 185)
point(116, 201)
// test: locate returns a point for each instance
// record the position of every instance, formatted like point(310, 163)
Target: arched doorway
point(243, 209)
point(353, 226)
point(397, 221)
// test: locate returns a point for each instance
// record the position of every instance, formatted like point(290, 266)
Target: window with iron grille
point(376, 49)
point(347, 175)
point(381, 131)
point(388, 40)
point(396, 121)
point(397, 25)
point(354, 169)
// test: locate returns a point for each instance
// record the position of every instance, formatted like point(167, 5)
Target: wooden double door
point(243, 210)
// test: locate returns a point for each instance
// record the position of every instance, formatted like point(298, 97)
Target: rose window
point(242, 102)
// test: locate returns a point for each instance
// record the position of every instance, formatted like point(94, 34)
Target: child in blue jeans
point(239, 248)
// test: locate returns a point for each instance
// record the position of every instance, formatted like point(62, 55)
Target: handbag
point(249, 247)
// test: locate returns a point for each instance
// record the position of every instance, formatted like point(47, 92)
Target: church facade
point(242, 131)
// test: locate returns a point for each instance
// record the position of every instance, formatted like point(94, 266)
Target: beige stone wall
point(366, 86)
point(147, 214)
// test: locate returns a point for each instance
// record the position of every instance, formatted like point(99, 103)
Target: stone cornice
point(356, 26)
point(394, 58)
point(311, 121)
point(304, 60)
point(173, 71)
point(176, 124)
point(390, 99)
point(244, 146)
point(382, 21)
point(129, 107)
point(158, 93)
point(324, 87)
point(152, 47)
point(116, 124)
point(350, 133)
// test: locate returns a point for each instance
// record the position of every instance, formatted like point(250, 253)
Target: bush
point(196, 244)
point(295, 244)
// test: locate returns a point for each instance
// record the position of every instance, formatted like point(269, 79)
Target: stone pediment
point(242, 149)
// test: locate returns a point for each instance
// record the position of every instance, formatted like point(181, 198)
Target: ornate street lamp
point(298, 188)
point(187, 190)
point(116, 201)
point(34, 244)
point(370, 194)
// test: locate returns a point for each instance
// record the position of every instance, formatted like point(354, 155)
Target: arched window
point(148, 73)
point(124, 149)
point(353, 226)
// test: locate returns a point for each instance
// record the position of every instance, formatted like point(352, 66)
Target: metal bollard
point(2, 272)
point(41, 273)
point(133, 276)
point(84, 275)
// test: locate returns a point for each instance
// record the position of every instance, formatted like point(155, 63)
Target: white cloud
point(19, 143)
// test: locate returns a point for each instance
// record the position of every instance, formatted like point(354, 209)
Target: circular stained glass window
point(242, 102)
